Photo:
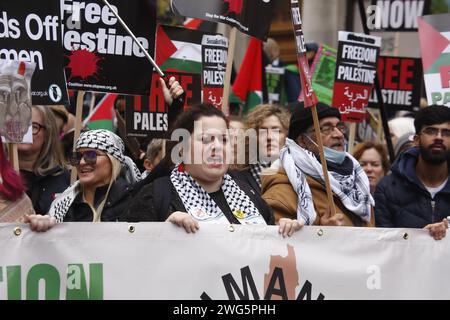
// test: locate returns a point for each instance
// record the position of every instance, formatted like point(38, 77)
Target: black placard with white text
point(396, 15)
point(99, 53)
point(147, 116)
point(31, 31)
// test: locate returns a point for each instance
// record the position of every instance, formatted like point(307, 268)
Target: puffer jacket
point(402, 201)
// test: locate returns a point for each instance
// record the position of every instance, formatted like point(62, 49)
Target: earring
point(181, 167)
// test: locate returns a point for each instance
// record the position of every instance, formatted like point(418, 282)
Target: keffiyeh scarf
point(256, 170)
point(353, 190)
point(202, 207)
point(103, 140)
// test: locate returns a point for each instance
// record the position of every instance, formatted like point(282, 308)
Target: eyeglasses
point(90, 157)
point(431, 131)
point(328, 129)
point(36, 127)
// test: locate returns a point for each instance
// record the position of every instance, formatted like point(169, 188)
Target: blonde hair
point(51, 154)
point(116, 169)
point(254, 120)
point(256, 117)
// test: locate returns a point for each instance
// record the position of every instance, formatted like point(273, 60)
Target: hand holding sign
point(172, 90)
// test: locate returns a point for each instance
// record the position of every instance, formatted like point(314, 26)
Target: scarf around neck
point(202, 207)
point(352, 189)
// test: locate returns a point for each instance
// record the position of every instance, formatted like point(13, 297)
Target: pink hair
point(12, 186)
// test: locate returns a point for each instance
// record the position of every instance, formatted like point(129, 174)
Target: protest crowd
point(254, 158)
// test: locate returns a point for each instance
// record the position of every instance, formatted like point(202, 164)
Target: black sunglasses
point(90, 157)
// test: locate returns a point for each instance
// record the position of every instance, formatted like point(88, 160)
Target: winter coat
point(42, 190)
point(247, 177)
point(277, 191)
point(159, 199)
point(402, 201)
point(116, 204)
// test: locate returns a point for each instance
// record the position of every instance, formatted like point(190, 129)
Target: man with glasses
point(417, 193)
point(297, 188)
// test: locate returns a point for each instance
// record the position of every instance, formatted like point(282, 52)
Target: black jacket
point(145, 206)
point(401, 200)
point(247, 177)
point(42, 190)
point(116, 204)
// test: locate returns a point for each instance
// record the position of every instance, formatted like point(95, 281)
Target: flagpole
point(382, 107)
point(323, 161)
point(351, 137)
point(78, 118)
point(149, 58)
point(14, 156)
point(227, 81)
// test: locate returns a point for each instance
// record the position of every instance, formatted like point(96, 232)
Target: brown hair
point(362, 147)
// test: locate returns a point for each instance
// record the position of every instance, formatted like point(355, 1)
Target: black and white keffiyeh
point(103, 140)
point(202, 207)
point(256, 170)
point(112, 144)
point(353, 190)
point(62, 203)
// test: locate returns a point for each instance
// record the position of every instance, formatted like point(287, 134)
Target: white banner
point(161, 261)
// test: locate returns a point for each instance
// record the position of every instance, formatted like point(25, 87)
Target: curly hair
point(256, 117)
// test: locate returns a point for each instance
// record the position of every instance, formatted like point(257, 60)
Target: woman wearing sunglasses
point(104, 179)
point(199, 190)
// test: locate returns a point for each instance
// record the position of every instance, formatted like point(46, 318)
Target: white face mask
point(334, 156)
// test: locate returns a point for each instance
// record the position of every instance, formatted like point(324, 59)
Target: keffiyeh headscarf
point(102, 140)
point(353, 190)
point(202, 207)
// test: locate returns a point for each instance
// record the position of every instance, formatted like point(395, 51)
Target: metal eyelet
point(320, 232)
point(131, 229)
point(17, 231)
point(231, 228)
point(406, 236)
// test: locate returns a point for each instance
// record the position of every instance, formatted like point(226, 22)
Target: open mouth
point(86, 170)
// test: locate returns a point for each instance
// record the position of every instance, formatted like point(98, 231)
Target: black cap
point(302, 119)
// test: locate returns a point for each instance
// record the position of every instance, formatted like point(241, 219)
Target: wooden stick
point(323, 160)
point(351, 137)
point(227, 81)
point(78, 121)
point(92, 103)
point(379, 129)
point(14, 156)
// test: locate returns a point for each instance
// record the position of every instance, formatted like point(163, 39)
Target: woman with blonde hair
point(42, 162)
point(102, 192)
point(271, 123)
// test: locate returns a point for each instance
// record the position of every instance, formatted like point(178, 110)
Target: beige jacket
point(277, 191)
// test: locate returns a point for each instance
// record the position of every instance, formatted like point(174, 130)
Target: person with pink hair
point(14, 203)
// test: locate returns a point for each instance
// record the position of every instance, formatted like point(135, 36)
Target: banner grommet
point(406, 236)
point(320, 232)
point(131, 229)
point(231, 228)
point(17, 231)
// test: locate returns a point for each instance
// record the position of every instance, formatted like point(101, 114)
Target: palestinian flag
point(102, 115)
point(200, 25)
point(434, 36)
point(179, 49)
point(248, 86)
